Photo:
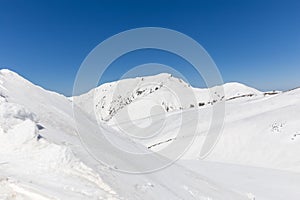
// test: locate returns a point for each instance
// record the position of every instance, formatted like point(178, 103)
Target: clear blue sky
point(256, 42)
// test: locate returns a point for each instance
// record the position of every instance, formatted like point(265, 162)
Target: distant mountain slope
point(139, 95)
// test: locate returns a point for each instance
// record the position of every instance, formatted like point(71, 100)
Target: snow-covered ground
point(261, 183)
point(42, 157)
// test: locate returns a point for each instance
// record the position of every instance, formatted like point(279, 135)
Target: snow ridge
point(162, 90)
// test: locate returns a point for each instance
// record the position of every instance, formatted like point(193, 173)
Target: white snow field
point(42, 157)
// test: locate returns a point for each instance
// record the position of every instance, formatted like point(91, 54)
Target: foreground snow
point(259, 183)
point(41, 156)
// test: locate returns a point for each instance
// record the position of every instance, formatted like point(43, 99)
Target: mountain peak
point(9, 73)
point(6, 71)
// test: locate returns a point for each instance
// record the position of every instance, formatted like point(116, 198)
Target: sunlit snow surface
point(41, 156)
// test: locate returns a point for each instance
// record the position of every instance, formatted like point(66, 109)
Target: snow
point(42, 157)
point(161, 91)
point(234, 89)
point(260, 131)
point(258, 183)
point(24, 154)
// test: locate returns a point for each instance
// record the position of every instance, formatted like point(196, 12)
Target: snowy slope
point(260, 129)
point(259, 183)
point(137, 96)
point(31, 166)
point(41, 156)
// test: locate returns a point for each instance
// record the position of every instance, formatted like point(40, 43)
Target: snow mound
point(236, 90)
point(26, 153)
point(19, 133)
point(12, 114)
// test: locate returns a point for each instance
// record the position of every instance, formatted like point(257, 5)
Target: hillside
point(43, 158)
point(42, 155)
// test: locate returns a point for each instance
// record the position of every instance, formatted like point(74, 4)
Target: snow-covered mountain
point(41, 155)
point(260, 129)
point(139, 95)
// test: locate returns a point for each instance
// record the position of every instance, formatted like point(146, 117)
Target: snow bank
point(25, 153)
